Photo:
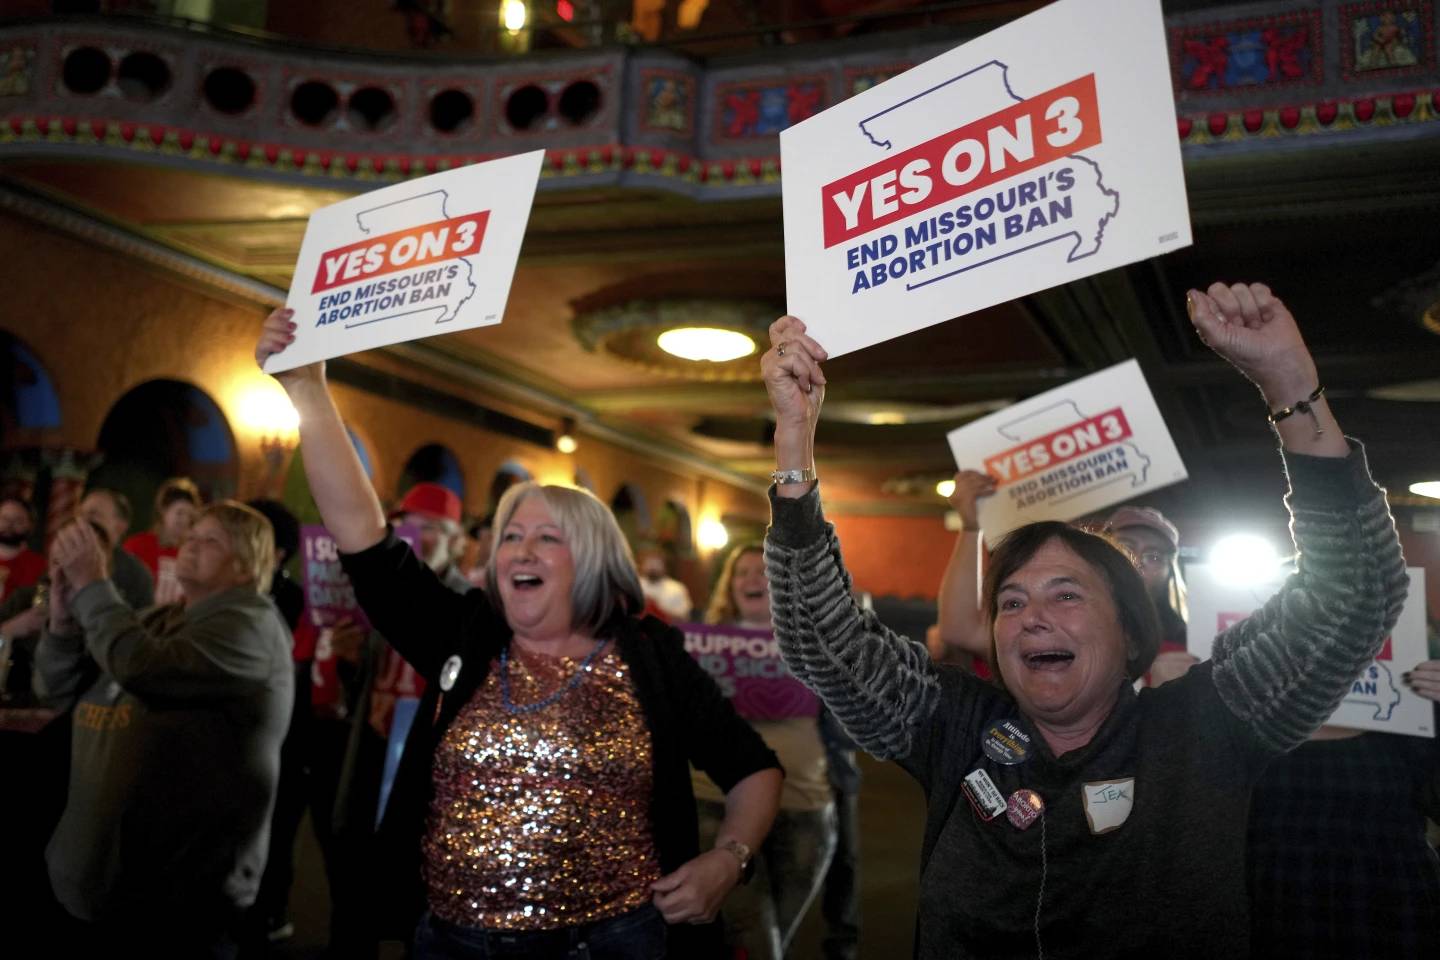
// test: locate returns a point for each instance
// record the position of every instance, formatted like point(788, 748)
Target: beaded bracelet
point(1301, 406)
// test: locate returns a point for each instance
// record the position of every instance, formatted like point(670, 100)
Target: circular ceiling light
point(1426, 488)
point(705, 343)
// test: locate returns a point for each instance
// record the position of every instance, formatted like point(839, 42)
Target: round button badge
point(1006, 743)
point(449, 673)
point(1023, 808)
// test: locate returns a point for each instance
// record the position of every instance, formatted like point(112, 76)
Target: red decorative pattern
point(1407, 107)
point(1404, 107)
point(1270, 51)
point(760, 109)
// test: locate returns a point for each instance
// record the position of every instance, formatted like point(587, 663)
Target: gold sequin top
point(542, 820)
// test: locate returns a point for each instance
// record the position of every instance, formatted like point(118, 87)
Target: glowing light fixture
point(265, 410)
point(1244, 558)
point(565, 10)
point(705, 343)
point(565, 440)
point(946, 488)
point(712, 534)
point(513, 15)
point(1426, 488)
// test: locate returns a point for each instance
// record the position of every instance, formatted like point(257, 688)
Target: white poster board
point(1090, 444)
point(1377, 699)
point(1040, 153)
point(420, 258)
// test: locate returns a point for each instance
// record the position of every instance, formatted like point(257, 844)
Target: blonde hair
point(252, 539)
point(606, 587)
point(722, 607)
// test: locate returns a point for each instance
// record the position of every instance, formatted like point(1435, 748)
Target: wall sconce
point(565, 441)
point(712, 534)
point(514, 15)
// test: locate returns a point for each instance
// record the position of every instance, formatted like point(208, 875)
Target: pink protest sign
point(747, 666)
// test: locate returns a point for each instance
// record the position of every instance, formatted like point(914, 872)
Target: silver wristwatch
point(742, 853)
point(803, 475)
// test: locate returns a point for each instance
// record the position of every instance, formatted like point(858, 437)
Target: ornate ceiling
point(1321, 181)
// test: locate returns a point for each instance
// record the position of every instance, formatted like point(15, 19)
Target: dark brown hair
point(174, 490)
point(1138, 619)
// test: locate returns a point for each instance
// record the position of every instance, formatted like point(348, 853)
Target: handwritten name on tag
point(1108, 803)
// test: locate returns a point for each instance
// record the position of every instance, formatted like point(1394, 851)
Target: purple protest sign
point(747, 666)
point(328, 593)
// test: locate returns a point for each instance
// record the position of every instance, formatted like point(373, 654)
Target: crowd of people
point(573, 783)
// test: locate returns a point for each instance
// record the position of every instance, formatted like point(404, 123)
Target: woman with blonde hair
point(762, 917)
point(544, 797)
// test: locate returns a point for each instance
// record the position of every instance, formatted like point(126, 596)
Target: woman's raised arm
point(343, 493)
point(880, 685)
point(1286, 668)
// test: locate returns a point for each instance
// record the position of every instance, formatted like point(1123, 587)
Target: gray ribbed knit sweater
point(1169, 880)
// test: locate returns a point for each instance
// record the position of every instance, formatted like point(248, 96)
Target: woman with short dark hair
point(1068, 815)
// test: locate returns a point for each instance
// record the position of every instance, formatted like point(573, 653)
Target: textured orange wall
point(895, 556)
point(102, 323)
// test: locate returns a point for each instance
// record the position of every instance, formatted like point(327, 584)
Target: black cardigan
point(690, 720)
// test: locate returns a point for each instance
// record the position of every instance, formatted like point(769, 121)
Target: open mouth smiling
point(1049, 659)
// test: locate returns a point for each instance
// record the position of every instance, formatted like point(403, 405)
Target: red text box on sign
point(1031, 133)
point(1053, 449)
point(401, 250)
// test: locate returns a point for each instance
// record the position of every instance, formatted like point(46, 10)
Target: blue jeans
point(638, 935)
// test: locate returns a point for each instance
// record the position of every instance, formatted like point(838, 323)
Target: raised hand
point(793, 379)
point(1249, 326)
point(277, 333)
point(970, 486)
point(79, 556)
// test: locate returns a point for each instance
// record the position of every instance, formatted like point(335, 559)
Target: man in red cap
point(1154, 542)
point(435, 511)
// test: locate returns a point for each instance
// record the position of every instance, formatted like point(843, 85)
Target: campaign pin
point(1006, 743)
point(449, 672)
point(1024, 808)
point(983, 795)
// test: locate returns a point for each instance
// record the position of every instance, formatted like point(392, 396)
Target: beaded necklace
point(511, 707)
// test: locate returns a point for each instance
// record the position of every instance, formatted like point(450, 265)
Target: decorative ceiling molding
point(657, 120)
point(84, 227)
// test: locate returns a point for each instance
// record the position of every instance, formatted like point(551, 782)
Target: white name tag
point(1108, 803)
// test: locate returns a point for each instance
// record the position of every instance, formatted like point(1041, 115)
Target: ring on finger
point(780, 350)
